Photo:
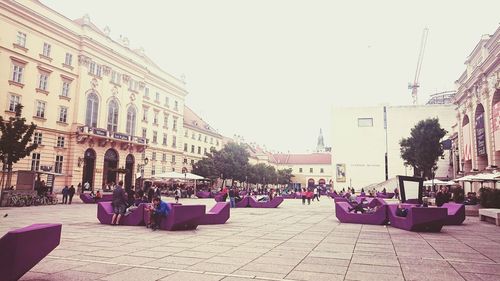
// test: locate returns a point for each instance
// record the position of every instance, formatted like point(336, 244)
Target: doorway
point(89, 157)
point(109, 168)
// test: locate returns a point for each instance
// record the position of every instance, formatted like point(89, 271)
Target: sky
point(273, 70)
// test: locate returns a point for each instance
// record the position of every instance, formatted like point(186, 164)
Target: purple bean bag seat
point(203, 194)
point(418, 218)
point(379, 217)
point(219, 198)
point(243, 203)
point(23, 248)
point(267, 204)
point(219, 214)
point(456, 213)
point(105, 214)
point(181, 217)
point(387, 195)
point(288, 196)
point(87, 199)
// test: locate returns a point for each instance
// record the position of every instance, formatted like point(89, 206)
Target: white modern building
point(363, 137)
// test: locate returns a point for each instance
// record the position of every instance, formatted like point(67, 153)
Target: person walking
point(119, 203)
point(71, 193)
point(303, 194)
point(177, 195)
point(232, 201)
point(315, 194)
point(65, 192)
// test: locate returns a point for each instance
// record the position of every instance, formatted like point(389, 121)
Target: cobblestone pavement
point(292, 242)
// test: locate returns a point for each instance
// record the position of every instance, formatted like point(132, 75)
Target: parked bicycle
point(21, 200)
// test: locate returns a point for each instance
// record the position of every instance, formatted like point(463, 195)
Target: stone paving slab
point(292, 242)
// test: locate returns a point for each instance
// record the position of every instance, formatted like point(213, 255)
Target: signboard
point(340, 172)
point(50, 181)
point(25, 180)
point(100, 132)
point(120, 136)
point(480, 135)
point(466, 152)
point(496, 125)
point(140, 140)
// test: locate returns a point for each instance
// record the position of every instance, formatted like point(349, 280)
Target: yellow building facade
point(103, 110)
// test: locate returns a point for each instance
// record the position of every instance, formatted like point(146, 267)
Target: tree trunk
point(9, 175)
point(2, 183)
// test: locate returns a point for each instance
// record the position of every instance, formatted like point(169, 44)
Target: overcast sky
point(271, 71)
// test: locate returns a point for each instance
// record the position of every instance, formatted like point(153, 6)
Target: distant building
point(321, 143)
point(308, 169)
point(365, 141)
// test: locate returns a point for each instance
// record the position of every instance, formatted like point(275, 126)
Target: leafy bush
point(489, 197)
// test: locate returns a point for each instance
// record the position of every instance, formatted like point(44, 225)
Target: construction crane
point(414, 87)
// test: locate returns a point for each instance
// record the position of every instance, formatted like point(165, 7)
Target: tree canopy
point(422, 148)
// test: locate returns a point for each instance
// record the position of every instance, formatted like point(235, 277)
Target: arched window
point(92, 109)
point(131, 115)
point(113, 116)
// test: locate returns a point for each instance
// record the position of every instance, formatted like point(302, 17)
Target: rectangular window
point(185, 161)
point(365, 122)
point(211, 140)
point(92, 67)
point(68, 59)
point(17, 73)
point(199, 137)
point(21, 39)
point(157, 97)
point(58, 165)
point(165, 120)
point(164, 157)
point(155, 136)
point(176, 105)
point(321, 170)
point(167, 102)
point(164, 139)
point(155, 118)
point(60, 141)
point(205, 139)
point(63, 114)
point(153, 156)
point(116, 77)
point(37, 138)
point(145, 114)
point(133, 85)
point(217, 143)
point(146, 92)
point(163, 169)
point(65, 89)
point(174, 141)
point(310, 170)
point(173, 158)
point(192, 161)
point(300, 170)
point(199, 149)
point(40, 109)
point(153, 170)
point(185, 147)
point(144, 132)
point(98, 70)
point(186, 133)
point(14, 100)
point(35, 161)
point(43, 82)
point(174, 125)
point(205, 150)
point(46, 49)
point(192, 148)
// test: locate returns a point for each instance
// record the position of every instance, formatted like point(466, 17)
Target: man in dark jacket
point(71, 193)
point(119, 203)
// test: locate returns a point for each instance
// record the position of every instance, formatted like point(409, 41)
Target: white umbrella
point(436, 182)
point(190, 176)
point(169, 175)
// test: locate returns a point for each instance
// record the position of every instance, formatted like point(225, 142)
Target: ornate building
point(104, 110)
point(478, 107)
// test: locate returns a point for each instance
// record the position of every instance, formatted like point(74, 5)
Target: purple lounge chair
point(418, 218)
point(105, 214)
point(243, 203)
point(379, 217)
point(87, 199)
point(387, 195)
point(268, 204)
point(219, 214)
point(456, 213)
point(203, 194)
point(181, 217)
point(23, 248)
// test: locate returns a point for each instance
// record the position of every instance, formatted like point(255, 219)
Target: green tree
point(205, 168)
point(14, 142)
point(284, 176)
point(422, 148)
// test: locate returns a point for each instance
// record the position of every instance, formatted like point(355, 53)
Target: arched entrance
point(496, 127)
point(322, 182)
point(467, 145)
point(129, 166)
point(310, 183)
point(89, 157)
point(482, 158)
point(109, 167)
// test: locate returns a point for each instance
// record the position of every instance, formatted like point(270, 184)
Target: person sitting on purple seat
point(401, 212)
point(158, 211)
point(358, 207)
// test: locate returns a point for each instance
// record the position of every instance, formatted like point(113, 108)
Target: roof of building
point(192, 120)
point(309, 158)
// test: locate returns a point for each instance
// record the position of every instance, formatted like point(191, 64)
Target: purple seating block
point(219, 198)
point(203, 194)
point(105, 214)
point(288, 196)
point(456, 213)
point(219, 214)
point(182, 217)
point(243, 203)
point(23, 248)
point(87, 199)
point(379, 217)
point(387, 195)
point(268, 204)
point(418, 218)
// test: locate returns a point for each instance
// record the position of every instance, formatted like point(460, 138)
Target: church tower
point(320, 147)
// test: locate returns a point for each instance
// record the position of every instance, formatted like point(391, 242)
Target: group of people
point(68, 193)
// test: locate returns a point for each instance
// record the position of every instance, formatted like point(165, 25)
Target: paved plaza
point(293, 242)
